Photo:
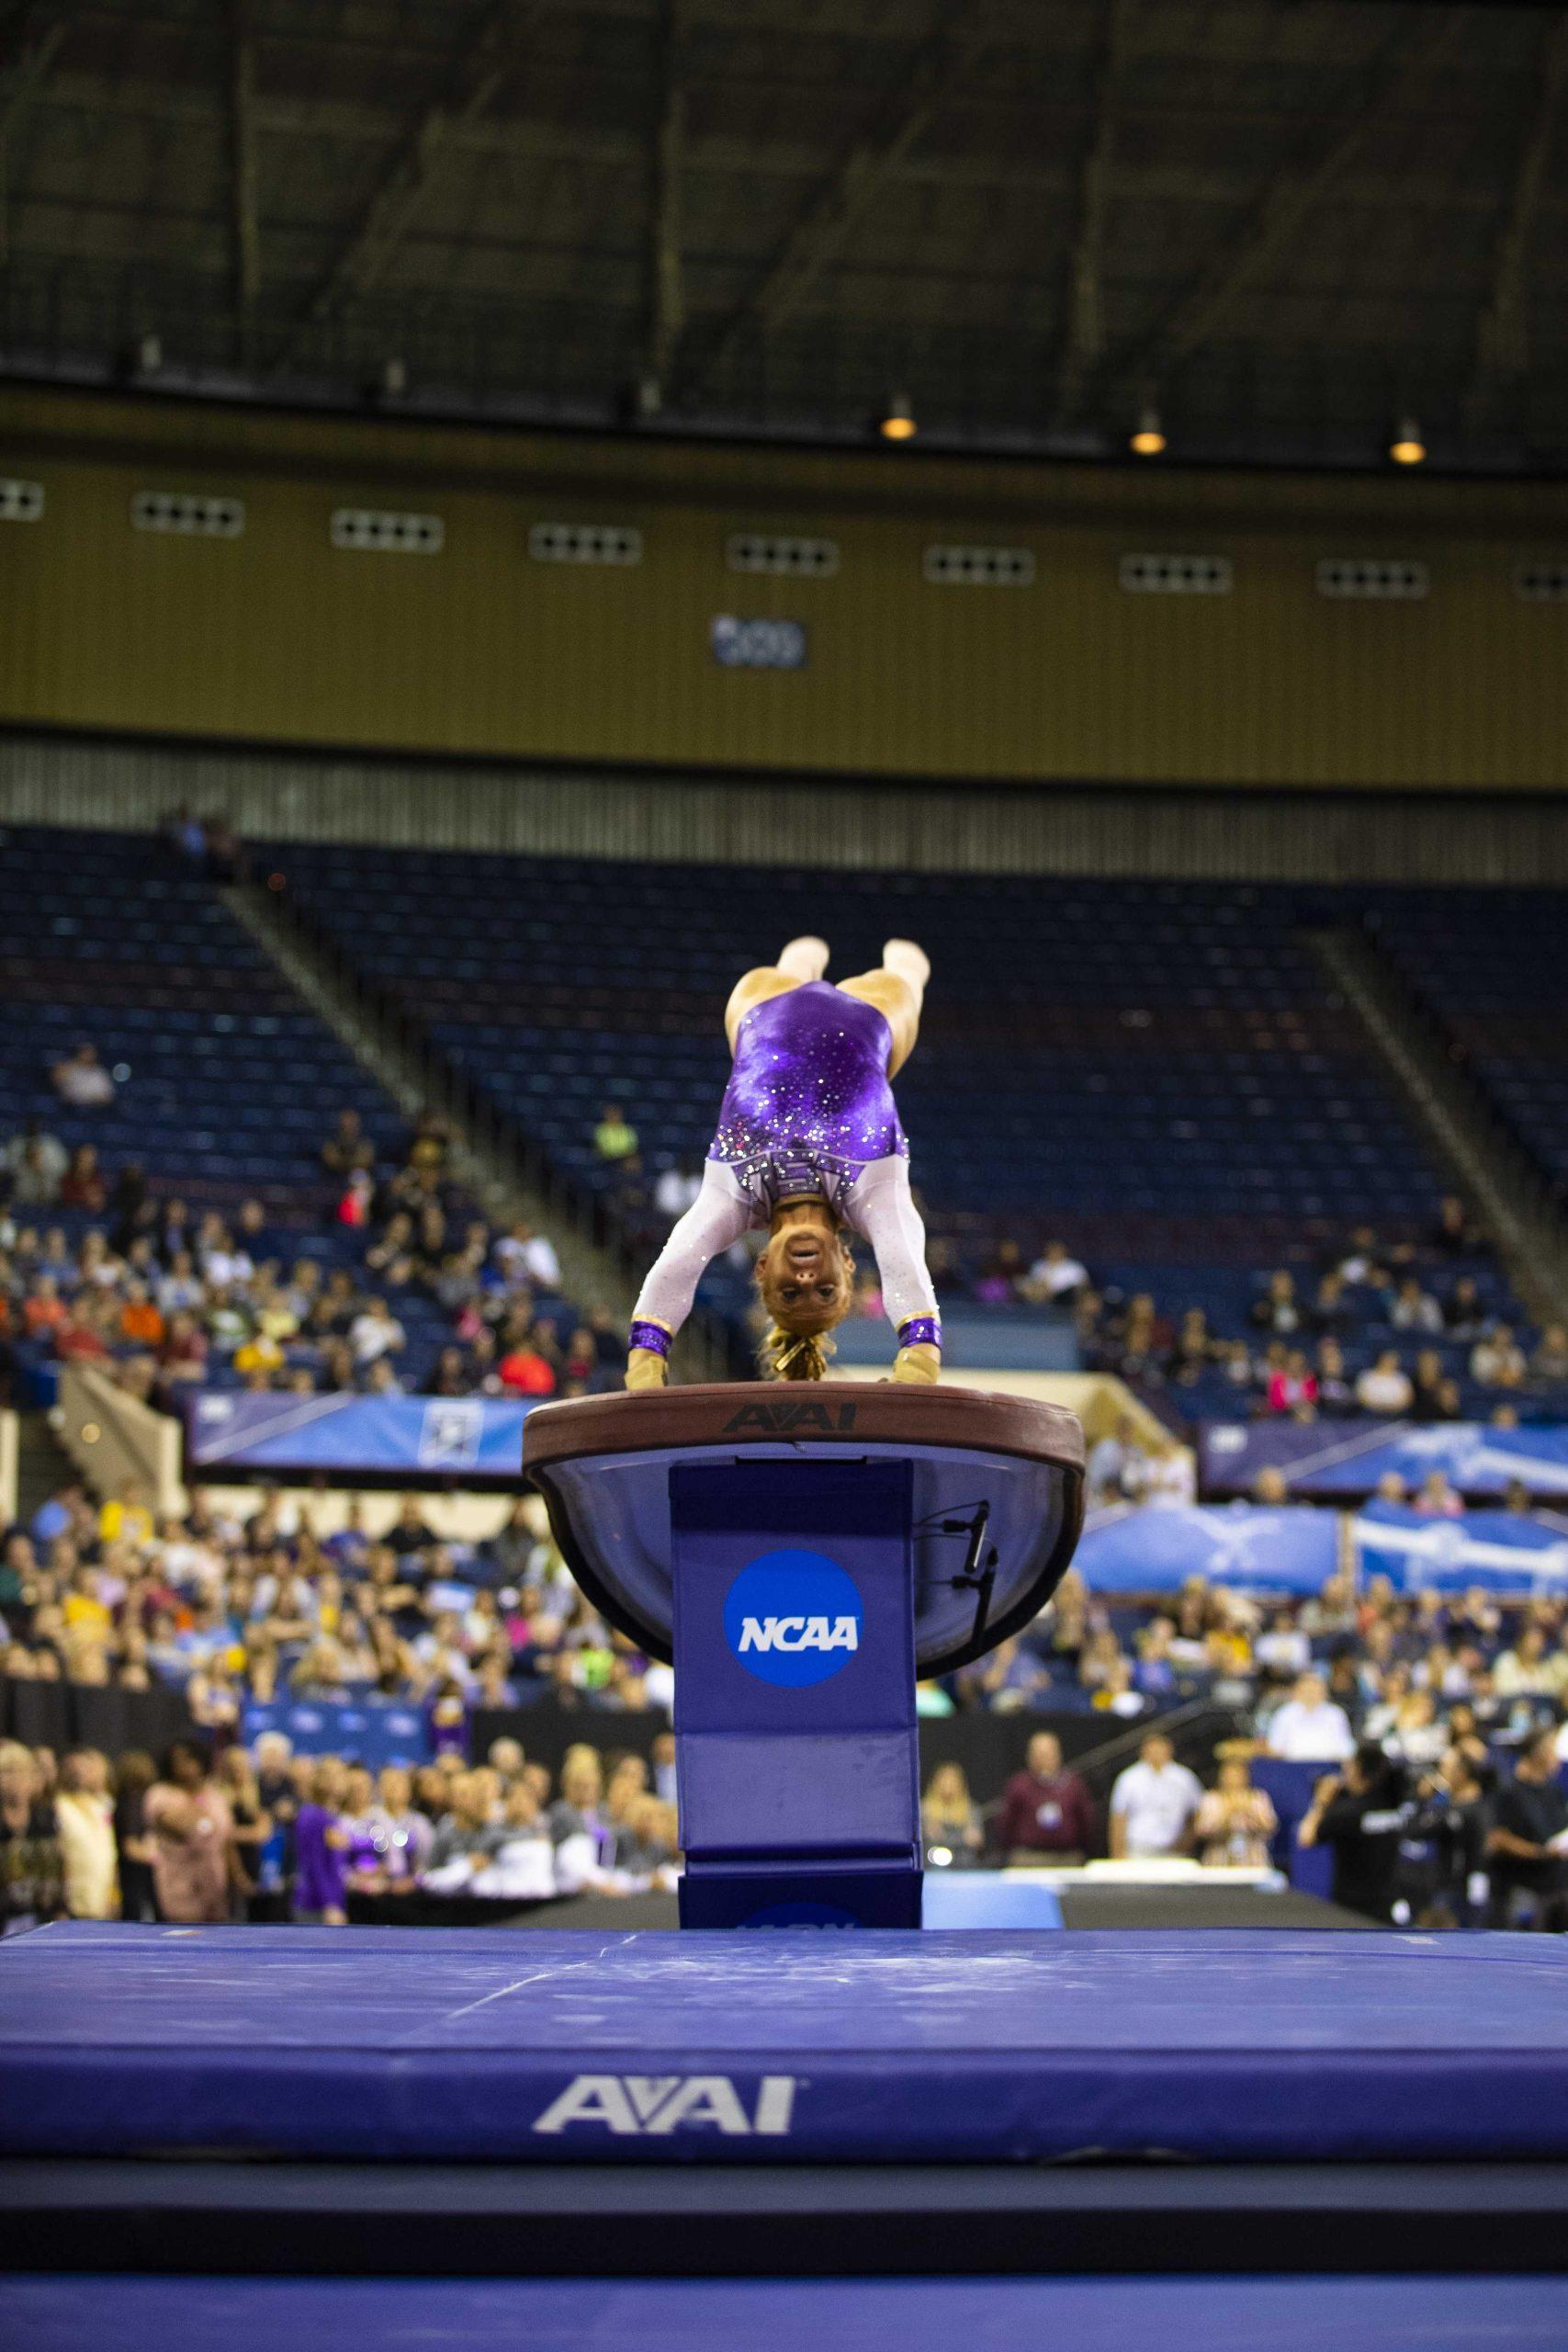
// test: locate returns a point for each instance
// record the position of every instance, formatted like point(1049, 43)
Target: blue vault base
point(555, 2046)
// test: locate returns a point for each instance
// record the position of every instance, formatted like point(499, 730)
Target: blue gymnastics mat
point(1413, 2314)
point(810, 2045)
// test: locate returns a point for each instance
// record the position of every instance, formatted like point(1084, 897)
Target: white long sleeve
point(716, 1221)
point(880, 1206)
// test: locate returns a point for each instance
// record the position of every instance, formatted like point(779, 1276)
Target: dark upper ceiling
point(1287, 221)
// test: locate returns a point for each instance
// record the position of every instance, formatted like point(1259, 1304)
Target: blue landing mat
point(811, 2045)
point(55, 2314)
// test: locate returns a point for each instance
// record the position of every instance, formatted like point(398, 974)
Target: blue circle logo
point(793, 1618)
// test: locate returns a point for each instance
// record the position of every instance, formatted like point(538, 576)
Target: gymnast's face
point(806, 1279)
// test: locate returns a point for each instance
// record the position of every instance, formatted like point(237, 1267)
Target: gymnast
point(809, 1143)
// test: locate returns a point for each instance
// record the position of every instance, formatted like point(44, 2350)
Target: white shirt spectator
point(1318, 1735)
point(1283, 1649)
point(524, 1255)
point(374, 1334)
point(82, 1080)
point(1384, 1388)
point(228, 1266)
point(1155, 1805)
point(676, 1192)
point(1057, 1271)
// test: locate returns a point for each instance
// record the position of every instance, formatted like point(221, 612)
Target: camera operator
point(1360, 1814)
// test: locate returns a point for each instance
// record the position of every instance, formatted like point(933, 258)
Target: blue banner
point(373, 1732)
point(475, 1438)
point(1347, 1458)
point(1503, 1551)
point(1157, 1548)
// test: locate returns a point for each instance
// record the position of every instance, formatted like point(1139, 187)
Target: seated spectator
point(1435, 1498)
point(1529, 1669)
point(83, 1186)
point(1293, 1384)
point(524, 1255)
point(1498, 1360)
point(521, 1866)
point(1235, 1822)
point(1549, 1363)
point(1415, 1309)
point(1335, 1393)
point(1310, 1729)
point(465, 1840)
point(1528, 1848)
point(950, 1823)
point(1117, 1470)
point(33, 1164)
point(1154, 1803)
point(1001, 1275)
point(1047, 1813)
point(1465, 1316)
point(1055, 1278)
point(676, 1191)
point(1278, 1311)
point(1455, 1233)
point(614, 1138)
point(1384, 1386)
point(191, 1829)
point(1428, 1386)
point(82, 1080)
point(1284, 1651)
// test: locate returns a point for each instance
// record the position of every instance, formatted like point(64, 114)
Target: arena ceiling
point(1284, 223)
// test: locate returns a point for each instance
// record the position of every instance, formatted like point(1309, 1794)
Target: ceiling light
point(1148, 441)
point(1407, 449)
point(896, 421)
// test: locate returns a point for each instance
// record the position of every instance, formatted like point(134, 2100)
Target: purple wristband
point(651, 1336)
point(920, 1331)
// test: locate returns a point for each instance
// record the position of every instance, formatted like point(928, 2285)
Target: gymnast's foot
point(805, 959)
point(910, 962)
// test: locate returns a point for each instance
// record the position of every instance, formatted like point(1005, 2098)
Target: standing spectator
point(84, 1812)
point(1360, 1814)
point(322, 1844)
point(191, 1829)
point(1046, 1812)
point(1528, 1844)
point(614, 1139)
point(1384, 1386)
point(82, 1080)
point(1235, 1821)
point(33, 1869)
point(950, 1824)
point(134, 1776)
point(1309, 1728)
point(1153, 1803)
point(344, 1149)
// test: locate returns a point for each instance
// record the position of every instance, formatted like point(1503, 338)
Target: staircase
point(42, 1464)
point(1488, 1165)
point(508, 1175)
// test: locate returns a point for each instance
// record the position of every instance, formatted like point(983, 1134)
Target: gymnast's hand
point(919, 1364)
point(646, 1368)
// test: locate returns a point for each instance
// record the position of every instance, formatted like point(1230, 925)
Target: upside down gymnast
point(809, 1143)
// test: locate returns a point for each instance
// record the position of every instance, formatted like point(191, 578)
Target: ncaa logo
point(793, 1618)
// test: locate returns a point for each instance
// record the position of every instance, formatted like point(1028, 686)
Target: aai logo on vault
point(793, 1618)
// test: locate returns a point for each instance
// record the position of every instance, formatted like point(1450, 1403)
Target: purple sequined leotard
point(808, 1100)
point(807, 1113)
